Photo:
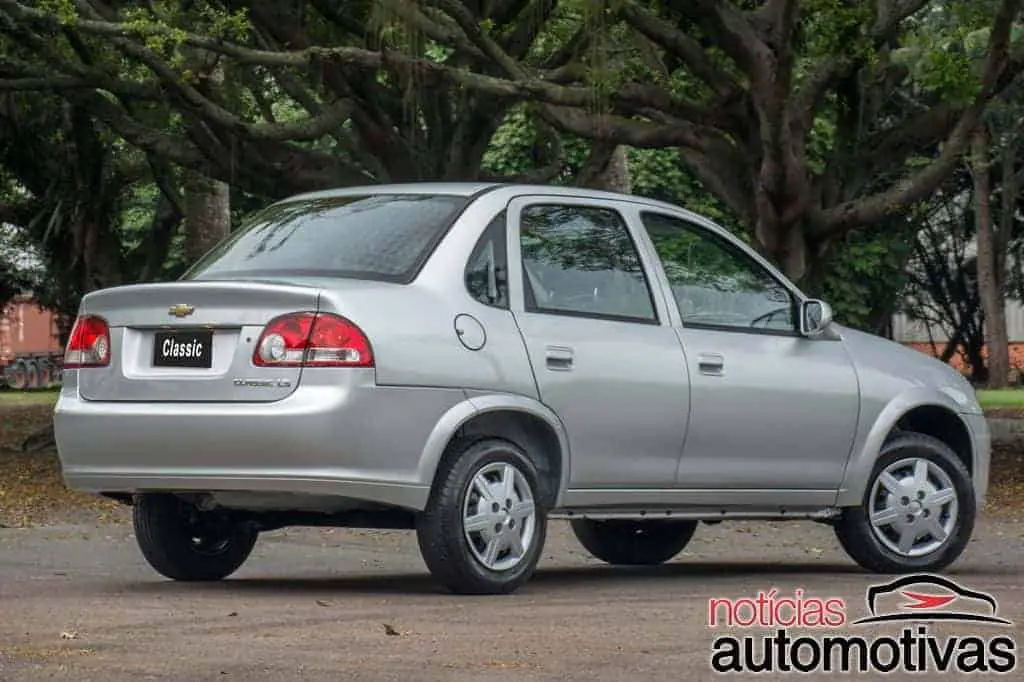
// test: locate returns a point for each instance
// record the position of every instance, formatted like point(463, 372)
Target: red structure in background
point(957, 361)
point(30, 351)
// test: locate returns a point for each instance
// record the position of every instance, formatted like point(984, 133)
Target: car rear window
point(383, 236)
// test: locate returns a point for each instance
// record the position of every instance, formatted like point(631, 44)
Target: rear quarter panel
point(411, 327)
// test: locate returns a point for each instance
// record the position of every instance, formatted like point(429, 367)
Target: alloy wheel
point(499, 518)
point(913, 507)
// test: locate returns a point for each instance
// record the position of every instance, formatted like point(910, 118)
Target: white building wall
point(906, 330)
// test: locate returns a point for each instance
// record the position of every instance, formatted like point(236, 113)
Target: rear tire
point(31, 375)
point(485, 524)
point(45, 374)
point(17, 376)
point(934, 498)
point(633, 543)
point(183, 543)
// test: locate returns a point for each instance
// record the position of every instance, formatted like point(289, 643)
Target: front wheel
point(183, 543)
point(918, 511)
point(484, 526)
point(633, 543)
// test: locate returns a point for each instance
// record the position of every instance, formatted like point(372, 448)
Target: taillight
point(89, 343)
point(312, 340)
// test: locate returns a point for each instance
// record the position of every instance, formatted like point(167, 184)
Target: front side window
point(580, 260)
point(487, 269)
point(714, 283)
point(381, 237)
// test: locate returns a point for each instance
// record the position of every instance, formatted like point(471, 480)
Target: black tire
point(17, 377)
point(623, 542)
point(859, 539)
point(445, 548)
point(167, 527)
point(45, 374)
point(31, 375)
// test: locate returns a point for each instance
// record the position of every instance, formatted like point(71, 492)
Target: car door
point(770, 408)
point(605, 358)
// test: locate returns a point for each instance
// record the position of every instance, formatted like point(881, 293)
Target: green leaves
point(866, 271)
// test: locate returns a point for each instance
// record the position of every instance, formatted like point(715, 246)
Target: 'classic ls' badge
point(181, 310)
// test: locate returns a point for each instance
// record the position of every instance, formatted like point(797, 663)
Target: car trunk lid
point(192, 341)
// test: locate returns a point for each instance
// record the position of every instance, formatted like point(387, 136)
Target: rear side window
point(580, 260)
point(383, 237)
point(487, 269)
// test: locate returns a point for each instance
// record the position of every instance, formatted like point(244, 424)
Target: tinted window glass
point(487, 269)
point(581, 260)
point(384, 237)
point(716, 284)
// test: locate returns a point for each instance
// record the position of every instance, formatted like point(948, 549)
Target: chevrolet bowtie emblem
point(181, 310)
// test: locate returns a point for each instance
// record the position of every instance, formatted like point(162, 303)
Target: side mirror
point(815, 317)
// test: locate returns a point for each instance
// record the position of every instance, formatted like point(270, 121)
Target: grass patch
point(1003, 397)
point(19, 398)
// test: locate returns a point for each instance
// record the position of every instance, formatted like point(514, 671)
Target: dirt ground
point(78, 602)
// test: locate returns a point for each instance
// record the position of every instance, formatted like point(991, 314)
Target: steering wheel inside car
point(768, 316)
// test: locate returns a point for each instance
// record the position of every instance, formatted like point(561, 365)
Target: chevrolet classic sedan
point(473, 360)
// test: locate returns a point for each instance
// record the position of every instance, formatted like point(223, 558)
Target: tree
point(67, 189)
point(272, 127)
point(990, 264)
point(942, 291)
point(743, 89)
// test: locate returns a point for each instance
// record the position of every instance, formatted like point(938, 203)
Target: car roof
point(465, 189)
point(472, 189)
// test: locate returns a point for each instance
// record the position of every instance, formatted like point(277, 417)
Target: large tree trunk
point(607, 168)
point(615, 177)
point(990, 279)
point(207, 200)
point(207, 214)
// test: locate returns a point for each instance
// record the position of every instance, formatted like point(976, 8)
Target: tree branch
point(836, 67)
point(680, 44)
point(999, 70)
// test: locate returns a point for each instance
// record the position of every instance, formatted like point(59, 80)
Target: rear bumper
point(982, 441)
point(343, 437)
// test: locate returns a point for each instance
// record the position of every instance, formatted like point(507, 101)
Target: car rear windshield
point(383, 237)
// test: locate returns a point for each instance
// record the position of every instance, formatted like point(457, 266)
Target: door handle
point(711, 363)
point(558, 358)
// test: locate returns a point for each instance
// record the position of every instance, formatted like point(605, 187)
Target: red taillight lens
point(312, 340)
point(89, 343)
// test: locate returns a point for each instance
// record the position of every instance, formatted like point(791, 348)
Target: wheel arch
point(519, 419)
point(931, 413)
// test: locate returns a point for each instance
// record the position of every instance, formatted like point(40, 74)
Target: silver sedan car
point(472, 360)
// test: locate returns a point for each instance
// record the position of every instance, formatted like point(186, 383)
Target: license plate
point(183, 349)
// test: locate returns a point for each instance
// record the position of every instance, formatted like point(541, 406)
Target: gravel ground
point(79, 603)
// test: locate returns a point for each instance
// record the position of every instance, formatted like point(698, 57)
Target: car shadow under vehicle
point(544, 580)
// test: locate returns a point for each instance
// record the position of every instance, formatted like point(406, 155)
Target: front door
point(605, 358)
point(771, 409)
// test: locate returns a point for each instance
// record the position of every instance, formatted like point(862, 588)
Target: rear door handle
point(711, 363)
point(558, 358)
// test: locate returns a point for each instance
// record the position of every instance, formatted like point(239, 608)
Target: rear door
point(191, 341)
point(604, 359)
